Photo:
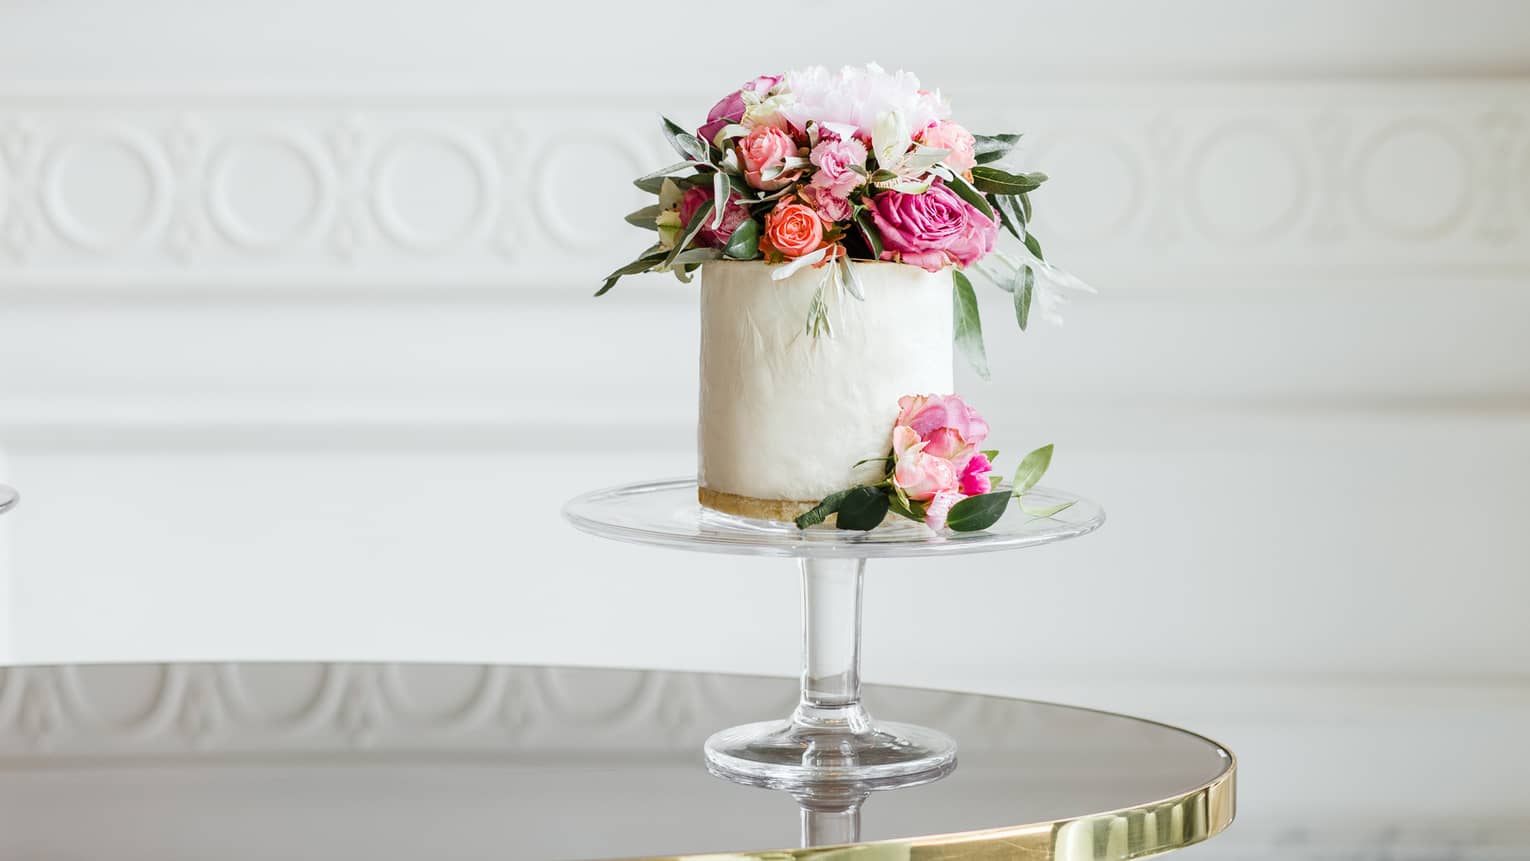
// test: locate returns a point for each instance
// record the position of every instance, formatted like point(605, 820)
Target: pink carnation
point(830, 207)
point(834, 160)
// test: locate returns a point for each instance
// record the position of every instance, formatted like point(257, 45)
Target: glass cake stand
point(829, 738)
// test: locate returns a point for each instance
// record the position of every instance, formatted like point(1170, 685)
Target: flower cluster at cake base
point(821, 169)
point(937, 474)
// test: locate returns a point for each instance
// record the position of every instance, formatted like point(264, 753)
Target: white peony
point(861, 97)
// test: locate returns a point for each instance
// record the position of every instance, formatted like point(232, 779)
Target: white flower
point(860, 97)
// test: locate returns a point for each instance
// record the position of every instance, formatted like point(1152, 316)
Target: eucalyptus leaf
point(968, 332)
point(697, 255)
point(989, 148)
point(1006, 221)
point(720, 191)
point(869, 230)
point(1049, 510)
point(1023, 291)
point(825, 507)
point(966, 192)
point(1033, 245)
point(642, 264)
point(650, 184)
point(673, 133)
point(1032, 468)
point(977, 512)
point(644, 217)
point(663, 172)
point(744, 244)
point(852, 279)
point(863, 508)
point(691, 229)
point(992, 179)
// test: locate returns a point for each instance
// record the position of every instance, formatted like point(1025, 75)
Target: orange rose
point(794, 229)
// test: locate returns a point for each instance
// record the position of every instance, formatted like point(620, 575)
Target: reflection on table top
point(400, 761)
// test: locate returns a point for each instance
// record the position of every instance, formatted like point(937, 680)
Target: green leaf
point(1024, 289)
point(870, 231)
point(992, 179)
point(993, 147)
point(991, 453)
point(966, 192)
point(644, 217)
point(1025, 206)
point(968, 332)
point(1033, 245)
point(882, 175)
point(1032, 468)
point(720, 190)
point(691, 229)
point(683, 141)
point(1047, 511)
point(1006, 220)
point(865, 460)
point(906, 508)
point(660, 174)
point(977, 512)
point(650, 184)
point(744, 244)
point(863, 509)
point(642, 264)
point(692, 256)
point(825, 507)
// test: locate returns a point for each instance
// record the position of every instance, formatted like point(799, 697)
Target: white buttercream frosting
point(784, 415)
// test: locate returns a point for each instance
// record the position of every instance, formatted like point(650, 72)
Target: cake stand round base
point(829, 741)
point(790, 755)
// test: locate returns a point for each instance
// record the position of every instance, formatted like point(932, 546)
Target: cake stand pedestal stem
point(831, 647)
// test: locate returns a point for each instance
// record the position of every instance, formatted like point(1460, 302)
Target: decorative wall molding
point(330, 189)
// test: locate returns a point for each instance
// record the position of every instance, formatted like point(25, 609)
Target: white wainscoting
point(297, 360)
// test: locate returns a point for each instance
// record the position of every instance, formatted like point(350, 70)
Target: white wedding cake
point(784, 414)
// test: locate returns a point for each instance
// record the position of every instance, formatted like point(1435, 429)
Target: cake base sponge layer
point(749, 506)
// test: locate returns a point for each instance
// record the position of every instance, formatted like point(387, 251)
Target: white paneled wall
point(297, 359)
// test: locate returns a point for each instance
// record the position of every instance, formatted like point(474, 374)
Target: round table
point(403, 761)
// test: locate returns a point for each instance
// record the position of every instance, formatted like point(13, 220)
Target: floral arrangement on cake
point(937, 475)
point(821, 169)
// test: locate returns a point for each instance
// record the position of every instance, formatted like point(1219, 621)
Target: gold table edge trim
point(1113, 835)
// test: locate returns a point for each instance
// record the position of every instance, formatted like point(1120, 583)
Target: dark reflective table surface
point(407, 761)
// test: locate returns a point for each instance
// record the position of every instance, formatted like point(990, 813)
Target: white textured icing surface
point(784, 415)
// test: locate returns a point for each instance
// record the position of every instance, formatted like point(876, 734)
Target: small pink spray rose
point(935, 454)
point(948, 135)
point(766, 149)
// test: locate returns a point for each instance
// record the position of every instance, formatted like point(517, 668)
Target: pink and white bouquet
point(937, 474)
point(818, 168)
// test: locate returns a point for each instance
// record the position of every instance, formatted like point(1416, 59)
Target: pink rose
point(927, 414)
point(830, 208)
point(767, 148)
point(834, 160)
point(931, 229)
point(949, 135)
point(733, 216)
point(937, 509)
point(730, 108)
point(974, 479)
point(919, 475)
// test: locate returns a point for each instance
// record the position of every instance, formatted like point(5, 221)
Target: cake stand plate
point(829, 740)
